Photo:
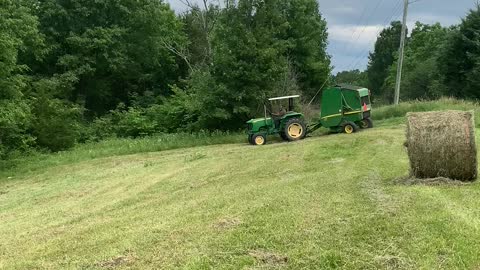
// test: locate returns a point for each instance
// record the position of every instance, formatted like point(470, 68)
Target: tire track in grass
point(372, 187)
point(448, 220)
point(386, 249)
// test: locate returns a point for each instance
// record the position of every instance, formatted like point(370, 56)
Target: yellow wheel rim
point(348, 129)
point(295, 130)
point(259, 140)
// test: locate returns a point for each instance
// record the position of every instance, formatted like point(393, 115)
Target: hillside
point(326, 202)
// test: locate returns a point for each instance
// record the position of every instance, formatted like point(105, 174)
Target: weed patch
point(437, 181)
point(227, 223)
point(118, 261)
point(268, 258)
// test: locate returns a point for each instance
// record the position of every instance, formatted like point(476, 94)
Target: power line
point(387, 20)
point(364, 11)
point(366, 52)
point(366, 25)
point(362, 54)
point(355, 29)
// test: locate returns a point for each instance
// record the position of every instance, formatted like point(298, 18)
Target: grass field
point(325, 202)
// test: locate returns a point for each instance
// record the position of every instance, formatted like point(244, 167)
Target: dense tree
point(382, 57)
point(18, 35)
point(353, 77)
point(75, 70)
point(307, 33)
point(104, 51)
point(420, 77)
point(258, 49)
point(459, 60)
point(246, 63)
point(199, 22)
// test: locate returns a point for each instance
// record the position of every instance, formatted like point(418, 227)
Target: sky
point(353, 25)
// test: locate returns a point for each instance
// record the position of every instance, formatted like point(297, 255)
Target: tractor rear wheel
point(259, 139)
point(295, 129)
point(349, 128)
point(366, 123)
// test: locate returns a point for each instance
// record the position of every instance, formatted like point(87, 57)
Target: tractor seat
point(279, 114)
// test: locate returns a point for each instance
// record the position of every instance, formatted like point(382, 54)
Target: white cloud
point(343, 10)
point(354, 34)
point(428, 18)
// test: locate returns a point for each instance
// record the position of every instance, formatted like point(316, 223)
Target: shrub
point(132, 123)
point(56, 123)
point(15, 121)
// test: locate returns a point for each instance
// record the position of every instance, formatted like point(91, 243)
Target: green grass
point(387, 112)
point(116, 147)
point(322, 203)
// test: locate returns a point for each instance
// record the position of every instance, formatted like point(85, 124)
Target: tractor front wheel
point(259, 139)
point(349, 128)
point(295, 129)
point(250, 138)
point(366, 123)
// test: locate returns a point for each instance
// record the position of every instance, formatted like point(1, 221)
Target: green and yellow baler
point(343, 109)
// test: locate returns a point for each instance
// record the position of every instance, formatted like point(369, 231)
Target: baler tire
point(299, 123)
point(349, 128)
point(370, 122)
point(366, 123)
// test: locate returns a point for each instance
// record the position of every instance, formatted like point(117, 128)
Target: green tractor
point(343, 109)
point(288, 124)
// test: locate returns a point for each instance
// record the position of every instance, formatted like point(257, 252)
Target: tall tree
point(104, 51)
point(459, 61)
point(382, 57)
point(18, 35)
point(247, 56)
point(353, 77)
point(199, 22)
point(420, 78)
point(307, 33)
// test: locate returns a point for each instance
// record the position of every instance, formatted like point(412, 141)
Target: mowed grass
point(323, 203)
point(116, 147)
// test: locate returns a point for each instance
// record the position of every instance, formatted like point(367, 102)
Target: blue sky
point(354, 24)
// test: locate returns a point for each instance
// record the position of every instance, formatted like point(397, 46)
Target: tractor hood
point(256, 120)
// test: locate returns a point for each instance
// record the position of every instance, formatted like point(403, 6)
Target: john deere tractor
point(343, 109)
point(288, 124)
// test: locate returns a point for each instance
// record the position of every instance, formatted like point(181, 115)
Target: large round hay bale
point(442, 144)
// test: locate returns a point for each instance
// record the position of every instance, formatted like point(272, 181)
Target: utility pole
point(401, 53)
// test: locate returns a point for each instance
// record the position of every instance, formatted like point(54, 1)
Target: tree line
point(79, 70)
point(73, 71)
point(439, 61)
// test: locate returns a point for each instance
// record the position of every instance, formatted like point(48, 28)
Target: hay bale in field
point(442, 144)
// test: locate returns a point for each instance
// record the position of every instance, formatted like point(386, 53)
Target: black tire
point(259, 139)
point(283, 136)
point(349, 128)
point(302, 132)
point(250, 141)
point(366, 123)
